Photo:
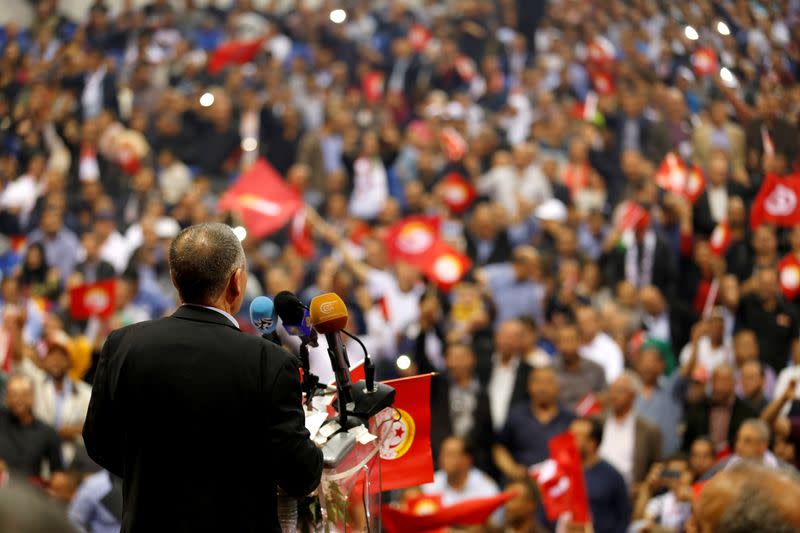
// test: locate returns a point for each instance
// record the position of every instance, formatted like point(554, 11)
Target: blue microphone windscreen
point(262, 315)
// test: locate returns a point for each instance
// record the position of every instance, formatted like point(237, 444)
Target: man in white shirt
point(507, 381)
point(457, 479)
point(597, 345)
point(712, 350)
point(630, 443)
point(517, 180)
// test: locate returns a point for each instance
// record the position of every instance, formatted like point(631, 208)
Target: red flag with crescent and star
point(777, 202)
point(92, 299)
point(457, 192)
point(406, 457)
point(264, 200)
point(426, 513)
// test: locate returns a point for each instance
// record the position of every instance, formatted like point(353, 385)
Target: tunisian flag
point(406, 457)
point(789, 276)
point(561, 481)
point(777, 202)
point(720, 239)
point(675, 176)
point(92, 299)
point(264, 200)
point(426, 513)
point(300, 235)
point(457, 192)
point(234, 52)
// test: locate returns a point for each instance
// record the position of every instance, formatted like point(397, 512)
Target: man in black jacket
point(175, 395)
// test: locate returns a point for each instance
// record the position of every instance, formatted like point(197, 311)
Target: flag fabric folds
point(264, 200)
point(777, 202)
point(406, 457)
point(234, 53)
point(92, 299)
point(427, 513)
point(561, 482)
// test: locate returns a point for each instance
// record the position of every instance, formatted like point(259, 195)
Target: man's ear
point(235, 286)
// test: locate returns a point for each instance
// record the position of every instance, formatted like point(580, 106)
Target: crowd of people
point(670, 356)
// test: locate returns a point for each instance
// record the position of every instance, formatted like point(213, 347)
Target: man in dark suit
point(486, 242)
point(172, 396)
point(718, 416)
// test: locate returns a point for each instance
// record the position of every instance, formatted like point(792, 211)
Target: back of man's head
point(750, 498)
point(202, 259)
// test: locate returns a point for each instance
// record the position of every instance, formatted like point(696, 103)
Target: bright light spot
point(723, 28)
point(338, 16)
point(240, 233)
point(207, 100)
point(404, 362)
point(691, 33)
point(249, 144)
point(727, 77)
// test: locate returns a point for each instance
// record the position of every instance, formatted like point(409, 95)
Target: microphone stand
point(310, 381)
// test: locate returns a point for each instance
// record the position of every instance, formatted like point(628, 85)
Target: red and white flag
point(720, 238)
point(777, 202)
point(789, 276)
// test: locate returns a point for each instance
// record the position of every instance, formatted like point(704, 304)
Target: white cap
point(552, 210)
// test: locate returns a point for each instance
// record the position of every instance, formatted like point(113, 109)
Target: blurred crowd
point(670, 357)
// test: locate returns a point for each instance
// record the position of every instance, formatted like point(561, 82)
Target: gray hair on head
point(760, 426)
point(202, 259)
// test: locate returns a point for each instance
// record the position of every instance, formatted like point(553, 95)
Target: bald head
point(749, 498)
point(202, 261)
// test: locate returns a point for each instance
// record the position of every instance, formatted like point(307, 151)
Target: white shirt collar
point(220, 311)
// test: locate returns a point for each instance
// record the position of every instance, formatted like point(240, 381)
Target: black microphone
point(295, 317)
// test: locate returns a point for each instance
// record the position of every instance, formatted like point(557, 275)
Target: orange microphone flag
point(406, 457)
point(264, 200)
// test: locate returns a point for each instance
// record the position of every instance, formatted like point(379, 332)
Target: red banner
point(234, 52)
point(406, 457)
point(561, 481)
point(263, 198)
point(777, 202)
point(427, 514)
point(93, 299)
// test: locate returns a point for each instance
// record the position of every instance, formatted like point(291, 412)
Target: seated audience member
point(671, 509)
point(523, 440)
point(748, 497)
point(608, 495)
point(577, 376)
point(459, 406)
point(59, 401)
point(719, 415)
point(597, 345)
point(630, 444)
point(25, 441)
point(520, 511)
point(457, 478)
point(701, 457)
point(97, 505)
point(751, 375)
point(506, 382)
point(752, 444)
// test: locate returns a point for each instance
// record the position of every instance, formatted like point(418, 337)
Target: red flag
point(426, 516)
point(720, 238)
point(777, 202)
point(589, 406)
point(704, 61)
point(93, 299)
point(695, 183)
point(300, 235)
point(445, 266)
point(631, 216)
point(465, 67)
point(675, 176)
point(234, 52)
point(411, 237)
point(453, 144)
point(372, 85)
point(588, 109)
point(789, 276)
point(419, 36)
point(264, 200)
point(561, 481)
point(603, 83)
point(406, 458)
point(457, 192)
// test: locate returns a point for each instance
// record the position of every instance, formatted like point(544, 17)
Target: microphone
point(263, 316)
point(295, 317)
point(329, 316)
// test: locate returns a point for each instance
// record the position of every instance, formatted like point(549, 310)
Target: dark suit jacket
point(698, 418)
point(664, 273)
point(501, 249)
point(703, 222)
point(201, 421)
point(520, 392)
point(481, 435)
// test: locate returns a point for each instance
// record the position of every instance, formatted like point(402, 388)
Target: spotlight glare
point(240, 233)
point(338, 16)
point(249, 144)
point(207, 100)
point(404, 362)
point(723, 28)
point(691, 33)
